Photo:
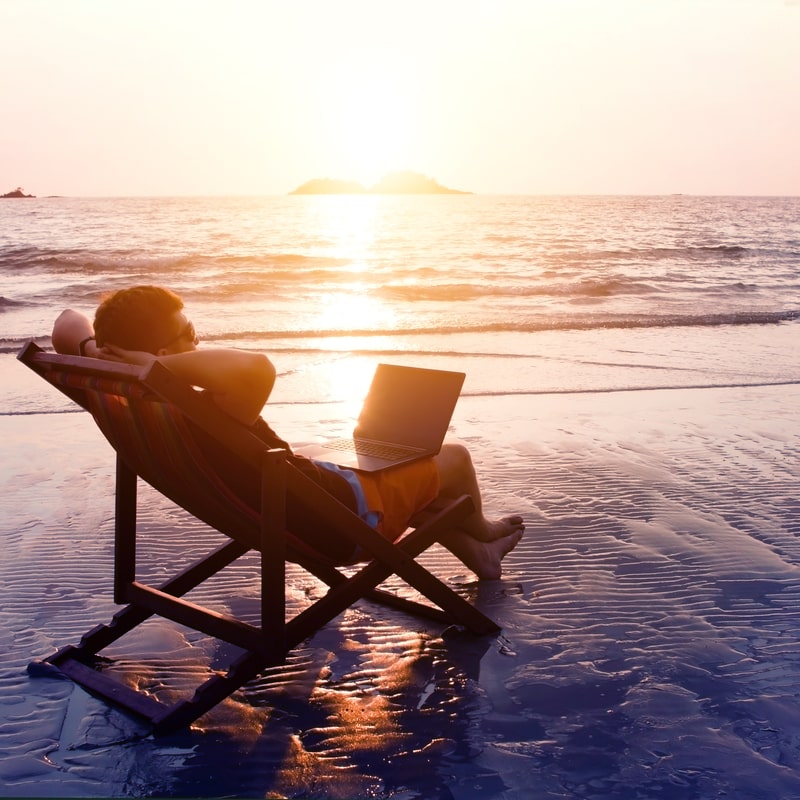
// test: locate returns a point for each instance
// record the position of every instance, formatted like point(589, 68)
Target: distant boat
point(15, 194)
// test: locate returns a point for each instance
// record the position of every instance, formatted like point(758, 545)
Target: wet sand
point(650, 641)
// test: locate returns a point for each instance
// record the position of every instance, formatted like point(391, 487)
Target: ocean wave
point(582, 323)
point(470, 291)
point(7, 302)
point(687, 253)
point(102, 260)
point(82, 274)
point(13, 344)
point(296, 264)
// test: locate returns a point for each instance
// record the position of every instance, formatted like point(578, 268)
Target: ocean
point(632, 390)
point(556, 289)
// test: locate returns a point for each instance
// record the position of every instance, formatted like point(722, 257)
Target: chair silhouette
point(152, 419)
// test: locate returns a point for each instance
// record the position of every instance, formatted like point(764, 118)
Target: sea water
point(525, 294)
point(649, 615)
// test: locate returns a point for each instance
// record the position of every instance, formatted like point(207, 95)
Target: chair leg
point(213, 691)
point(124, 530)
point(78, 661)
point(450, 607)
point(273, 549)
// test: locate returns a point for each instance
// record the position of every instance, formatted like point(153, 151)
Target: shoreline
point(649, 620)
point(499, 366)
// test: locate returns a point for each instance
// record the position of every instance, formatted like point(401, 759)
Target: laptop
point(404, 418)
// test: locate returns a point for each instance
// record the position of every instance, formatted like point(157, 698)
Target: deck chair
point(150, 418)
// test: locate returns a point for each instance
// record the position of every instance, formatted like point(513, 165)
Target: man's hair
point(138, 318)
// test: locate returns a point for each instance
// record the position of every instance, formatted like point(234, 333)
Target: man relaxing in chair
point(146, 323)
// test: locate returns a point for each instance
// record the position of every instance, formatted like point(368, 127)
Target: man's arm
point(69, 330)
point(240, 382)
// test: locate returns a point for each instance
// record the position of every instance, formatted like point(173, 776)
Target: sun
point(370, 124)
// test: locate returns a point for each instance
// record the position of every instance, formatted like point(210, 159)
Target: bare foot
point(485, 531)
point(483, 558)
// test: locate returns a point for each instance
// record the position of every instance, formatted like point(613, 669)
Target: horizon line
point(461, 194)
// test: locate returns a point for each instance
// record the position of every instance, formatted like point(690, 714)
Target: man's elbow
point(63, 331)
point(267, 374)
point(262, 376)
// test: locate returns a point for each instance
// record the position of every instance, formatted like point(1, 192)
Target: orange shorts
point(399, 493)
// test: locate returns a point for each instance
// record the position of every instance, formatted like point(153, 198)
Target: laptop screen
point(409, 405)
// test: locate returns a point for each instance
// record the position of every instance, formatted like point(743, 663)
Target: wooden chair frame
point(268, 644)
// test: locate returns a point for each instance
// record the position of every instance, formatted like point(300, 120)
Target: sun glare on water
point(351, 310)
point(347, 224)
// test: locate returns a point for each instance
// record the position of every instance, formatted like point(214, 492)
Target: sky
point(240, 97)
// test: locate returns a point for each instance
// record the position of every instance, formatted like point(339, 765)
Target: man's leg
point(457, 476)
point(483, 558)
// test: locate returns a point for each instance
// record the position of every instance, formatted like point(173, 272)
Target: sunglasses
point(187, 333)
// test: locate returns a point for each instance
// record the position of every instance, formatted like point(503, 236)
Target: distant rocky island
point(15, 194)
point(393, 183)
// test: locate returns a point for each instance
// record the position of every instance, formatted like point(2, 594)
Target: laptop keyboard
point(365, 447)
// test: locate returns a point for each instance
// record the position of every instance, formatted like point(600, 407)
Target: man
point(146, 323)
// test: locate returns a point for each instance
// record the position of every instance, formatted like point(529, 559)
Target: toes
point(515, 522)
point(510, 542)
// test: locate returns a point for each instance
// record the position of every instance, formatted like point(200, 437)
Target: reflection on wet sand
point(365, 708)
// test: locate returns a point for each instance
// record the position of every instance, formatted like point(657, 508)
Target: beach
point(649, 643)
point(632, 389)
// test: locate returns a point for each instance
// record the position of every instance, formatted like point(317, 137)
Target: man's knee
point(456, 458)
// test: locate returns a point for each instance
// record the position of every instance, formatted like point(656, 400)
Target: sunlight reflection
point(348, 381)
point(353, 309)
point(348, 223)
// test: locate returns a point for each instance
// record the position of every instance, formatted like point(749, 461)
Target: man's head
point(145, 318)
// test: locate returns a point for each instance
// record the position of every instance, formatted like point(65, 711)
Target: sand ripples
point(659, 588)
point(650, 636)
